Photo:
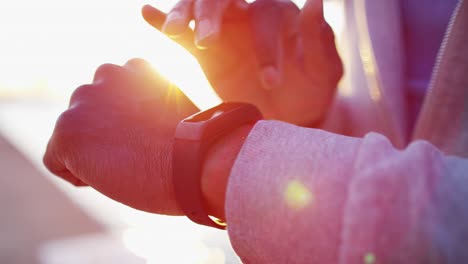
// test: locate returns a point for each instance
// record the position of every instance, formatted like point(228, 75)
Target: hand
point(268, 53)
point(117, 136)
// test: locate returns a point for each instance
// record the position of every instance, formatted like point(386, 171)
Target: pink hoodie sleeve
point(299, 195)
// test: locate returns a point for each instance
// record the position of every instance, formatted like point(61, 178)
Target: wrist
point(217, 167)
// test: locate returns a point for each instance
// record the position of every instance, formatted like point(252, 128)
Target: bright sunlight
point(50, 47)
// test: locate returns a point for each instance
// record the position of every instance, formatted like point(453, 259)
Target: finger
point(57, 149)
point(69, 177)
point(55, 166)
point(315, 33)
point(208, 18)
point(108, 72)
point(84, 93)
point(178, 19)
point(138, 65)
point(312, 20)
point(153, 16)
point(145, 73)
point(269, 21)
point(156, 19)
point(313, 10)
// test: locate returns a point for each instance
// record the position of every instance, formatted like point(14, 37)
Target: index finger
point(313, 11)
point(270, 22)
point(208, 17)
point(153, 16)
point(156, 19)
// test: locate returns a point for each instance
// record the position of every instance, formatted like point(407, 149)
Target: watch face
point(204, 116)
point(212, 113)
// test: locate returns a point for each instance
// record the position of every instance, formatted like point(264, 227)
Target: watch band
point(194, 136)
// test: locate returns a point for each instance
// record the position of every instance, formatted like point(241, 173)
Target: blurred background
point(47, 49)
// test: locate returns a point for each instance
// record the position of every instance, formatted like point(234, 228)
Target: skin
point(275, 56)
point(116, 136)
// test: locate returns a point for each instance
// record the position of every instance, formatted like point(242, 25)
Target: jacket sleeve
point(299, 195)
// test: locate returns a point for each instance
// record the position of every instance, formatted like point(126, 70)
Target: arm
point(295, 195)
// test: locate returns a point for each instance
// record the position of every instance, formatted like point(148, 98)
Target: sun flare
point(51, 47)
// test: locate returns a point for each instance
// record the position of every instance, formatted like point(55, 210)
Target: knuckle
point(66, 137)
point(66, 125)
point(107, 71)
point(137, 65)
point(82, 93)
point(136, 61)
point(47, 161)
point(52, 163)
point(60, 142)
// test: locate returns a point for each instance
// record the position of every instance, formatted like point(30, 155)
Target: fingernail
point(270, 77)
point(174, 25)
point(205, 33)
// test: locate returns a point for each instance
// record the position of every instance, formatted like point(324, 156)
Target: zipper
point(439, 59)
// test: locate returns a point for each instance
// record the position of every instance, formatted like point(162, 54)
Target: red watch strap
point(194, 136)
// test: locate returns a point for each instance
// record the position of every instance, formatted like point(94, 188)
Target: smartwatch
point(193, 137)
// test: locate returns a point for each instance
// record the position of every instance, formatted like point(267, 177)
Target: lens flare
point(297, 196)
